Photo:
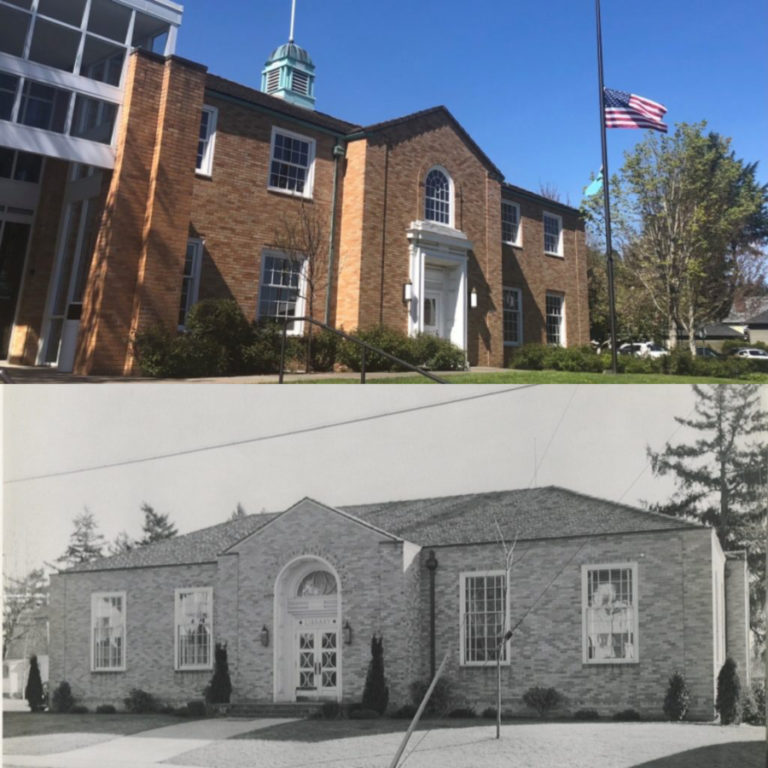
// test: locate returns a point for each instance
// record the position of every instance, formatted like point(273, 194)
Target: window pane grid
point(437, 197)
point(512, 316)
point(290, 163)
point(484, 618)
point(551, 234)
point(509, 223)
point(193, 628)
point(279, 291)
point(610, 620)
point(108, 632)
point(554, 307)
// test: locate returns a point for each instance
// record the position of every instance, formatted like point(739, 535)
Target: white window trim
point(519, 293)
point(206, 166)
point(462, 603)
point(451, 197)
point(515, 243)
point(310, 181)
point(197, 261)
point(298, 327)
point(585, 569)
point(559, 251)
point(98, 596)
point(190, 667)
point(563, 339)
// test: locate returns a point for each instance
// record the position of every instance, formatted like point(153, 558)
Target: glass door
point(14, 237)
point(317, 663)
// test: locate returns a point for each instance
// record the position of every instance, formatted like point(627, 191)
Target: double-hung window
point(190, 281)
point(108, 631)
point(553, 234)
point(555, 319)
point(437, 197)
point(609, 605)
point(292, 163)
point(194, 628)
point(483, 596)
point(513, 317)
point(206, 141)
point(510, 223)
point(282, 289)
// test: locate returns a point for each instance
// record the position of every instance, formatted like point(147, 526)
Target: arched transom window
point(437, 198)
point(317, 583)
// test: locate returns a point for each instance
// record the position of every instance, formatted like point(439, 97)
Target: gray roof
point(761, 319)
point(537, 513)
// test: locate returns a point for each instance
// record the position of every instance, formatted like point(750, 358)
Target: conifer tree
point(85, 542)
point(156, 526)
point(375, 692)
point(122, 543)
point(238, 512)
point(33, 692)
point(220, 688)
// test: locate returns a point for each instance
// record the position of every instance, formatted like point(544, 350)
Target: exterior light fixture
point(407, 292)
point(265, 636)
point(473, 298)
point(347, 630)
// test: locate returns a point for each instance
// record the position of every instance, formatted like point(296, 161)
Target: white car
point(752, 352)
point(642, 349)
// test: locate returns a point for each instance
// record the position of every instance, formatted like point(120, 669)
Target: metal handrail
point(364, 344)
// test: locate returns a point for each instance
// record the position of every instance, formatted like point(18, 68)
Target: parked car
point(751, 352)
point(642, 349)
point(707, 352)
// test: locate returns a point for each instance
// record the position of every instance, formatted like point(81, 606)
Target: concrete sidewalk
point(142, 750)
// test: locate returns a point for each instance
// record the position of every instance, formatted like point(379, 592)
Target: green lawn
point(45, 723)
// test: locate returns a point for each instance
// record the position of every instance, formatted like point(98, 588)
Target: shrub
point(363, 714)
point(220, 687)
point(441, 699)
point(406, 712)
point(543, 699)
point(677, 698)
point(753, 708)
point(627, 715)
point(62, 700)
point(728, 693)
point(436, 354)
point(105, 709)
point(221, 323)
point(586, 714)
point(196, 708)
point(182, 712)
point(489, 713)
point(33, 691)
point(78, 709)
point(140, 702)
point(375, 692)
point(331, 710)
point(530, 357)
point(462, 712)
point(323, 350)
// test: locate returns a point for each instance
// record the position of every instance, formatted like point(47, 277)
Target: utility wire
point(539, 462)
point(266, 438)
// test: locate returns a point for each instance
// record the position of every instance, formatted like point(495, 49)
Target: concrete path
point(141, 750)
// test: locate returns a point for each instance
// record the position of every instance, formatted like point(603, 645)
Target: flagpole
point(606, 194)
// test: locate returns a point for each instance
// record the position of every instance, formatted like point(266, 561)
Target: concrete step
point(300, 709)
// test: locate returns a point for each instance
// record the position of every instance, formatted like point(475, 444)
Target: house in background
point(605, 603)
point(154, 184)
point(30, 638)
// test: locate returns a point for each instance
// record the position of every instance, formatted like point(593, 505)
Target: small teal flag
point(595, 187)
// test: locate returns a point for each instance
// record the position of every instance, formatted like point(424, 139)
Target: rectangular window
point(281, 291)
point(207, 140)
point(190, 281)
point(510, 223)
point(513, 317)
point(194, 628)
point(107, 631)
point(292, 162)
point(609, 602)
point(553, 234)
point(555, 320)
point(8, 87)
point(483, 615)
point(44, 107)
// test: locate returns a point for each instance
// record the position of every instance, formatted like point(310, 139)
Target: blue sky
point(520, 76)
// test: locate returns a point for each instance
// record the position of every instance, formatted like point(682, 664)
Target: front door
point(317, 663)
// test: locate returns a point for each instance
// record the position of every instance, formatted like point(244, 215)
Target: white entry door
point(318, 663)
point(433, 312)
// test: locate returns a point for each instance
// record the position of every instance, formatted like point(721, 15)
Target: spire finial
point(293, 17)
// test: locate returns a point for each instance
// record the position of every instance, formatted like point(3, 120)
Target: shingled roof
point(537, 513)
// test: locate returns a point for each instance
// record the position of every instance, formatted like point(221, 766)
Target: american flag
point(628, 110)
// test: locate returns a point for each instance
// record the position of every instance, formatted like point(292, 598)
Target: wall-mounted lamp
point(473, 299)
point(347, 630)
point(265, 636)
point(407, 291)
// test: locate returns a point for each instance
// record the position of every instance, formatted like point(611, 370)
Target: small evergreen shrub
point(489, 713)
point(677, 699)
point(436, 354)
point(196, 708)
point(462, 712)
point(627, 715)
point(105, 709)
point(221, 323)
point(363, 714)
point(531, 357)
point(728, 702)
point(376, 692)
point(331, 710)
point(33, 691)
point(182, 712)
point(543, 700)
point(406, 712)
point(753, 705)
point(323, 350)
point(441, 699)
point(140, 702)
point(78, 709)
point(220, 688)
point(586, 714)
point(62, 699)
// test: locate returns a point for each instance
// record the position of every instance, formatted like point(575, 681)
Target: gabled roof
point(757, 320)
point(538, 513)
point(513, 191)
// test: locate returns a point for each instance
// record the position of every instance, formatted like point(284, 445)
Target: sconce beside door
point(265, 636)
point(473, 299)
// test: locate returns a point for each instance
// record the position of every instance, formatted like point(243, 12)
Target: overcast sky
point(338, 444)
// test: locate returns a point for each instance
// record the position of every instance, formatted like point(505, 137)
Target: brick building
point(605, 603)
point(147, 184)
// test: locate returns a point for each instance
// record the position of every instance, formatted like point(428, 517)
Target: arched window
point(317, 583)
point(437, 197)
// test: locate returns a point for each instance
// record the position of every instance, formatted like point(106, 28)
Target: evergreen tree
point(156, 526)
point(33, 692)
point(238, 512)
point(85, 542)
point(220, 688)
point(677, 699)
point(728, 702)
point(20, 595)
point(721, 478)
point(375, 692)
point(122, 543)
